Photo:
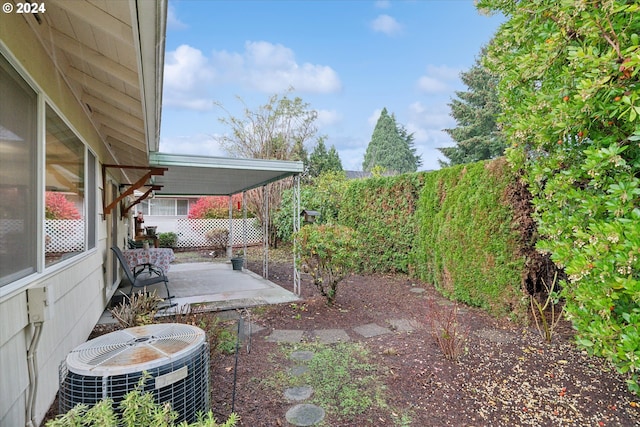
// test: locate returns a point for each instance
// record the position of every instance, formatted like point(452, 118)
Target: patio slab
point(216, 287)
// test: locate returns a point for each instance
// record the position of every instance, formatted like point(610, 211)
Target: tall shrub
point(324, 195)
point(466, 244)
point(570, 88)
point(382, 211)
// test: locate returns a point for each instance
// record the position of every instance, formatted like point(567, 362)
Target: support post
point(230, 236)
point(296, 228)
point(244, 225)
point(265, 232)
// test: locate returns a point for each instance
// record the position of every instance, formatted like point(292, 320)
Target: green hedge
point(451, 227)
point(467, 245)
point(382, 211)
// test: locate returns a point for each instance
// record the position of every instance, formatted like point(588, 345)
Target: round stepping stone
point(305, 414)
point(296, 371)
point(298, 393)
point(302, 355)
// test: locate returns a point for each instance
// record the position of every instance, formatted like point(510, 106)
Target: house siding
point(79, 287)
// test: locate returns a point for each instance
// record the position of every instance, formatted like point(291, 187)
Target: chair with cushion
point(140, 280)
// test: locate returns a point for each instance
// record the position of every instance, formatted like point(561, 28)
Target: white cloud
point(433, 117)
point(438, 79)
point(190, 77)
point(427, 122)
point(328, 118)
point(173, 22)
point(187, 74)
point(386, 24)
point(199, 144)
point(382, 4)
point(271, 68)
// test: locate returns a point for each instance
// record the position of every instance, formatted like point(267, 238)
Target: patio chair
point(137, 280)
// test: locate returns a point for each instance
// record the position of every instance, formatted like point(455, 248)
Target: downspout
point(33, 375)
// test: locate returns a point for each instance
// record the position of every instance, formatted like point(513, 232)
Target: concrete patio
point(215, 287)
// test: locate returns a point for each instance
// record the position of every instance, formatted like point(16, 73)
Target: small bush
point(168, 239)
point(137, 310)
point(138, 408)
point(217, 238)
point(328, 253)
point(450, 335)
point(222, 335)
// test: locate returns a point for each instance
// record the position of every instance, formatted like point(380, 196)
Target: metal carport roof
point(191, 175)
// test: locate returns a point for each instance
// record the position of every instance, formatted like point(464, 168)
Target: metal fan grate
point(176, 356)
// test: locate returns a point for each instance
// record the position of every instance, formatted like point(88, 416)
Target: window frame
point(41, 271)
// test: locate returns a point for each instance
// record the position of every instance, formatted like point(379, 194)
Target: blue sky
point(347, 59)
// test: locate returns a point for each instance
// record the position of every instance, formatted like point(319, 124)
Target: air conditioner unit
point(175, 355)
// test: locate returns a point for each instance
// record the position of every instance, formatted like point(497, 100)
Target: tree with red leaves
point(57, 206)
point(215, 207)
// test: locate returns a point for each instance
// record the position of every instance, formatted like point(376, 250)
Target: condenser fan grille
point(176, 357)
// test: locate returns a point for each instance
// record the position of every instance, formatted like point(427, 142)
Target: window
point(183, 207)
point(70, 183)
point(18, 185)
point(163, 207)
point(65, 191)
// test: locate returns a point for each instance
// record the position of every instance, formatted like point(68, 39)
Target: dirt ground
point(506, 376)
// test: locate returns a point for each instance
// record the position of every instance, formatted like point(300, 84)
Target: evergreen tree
point(321, 160)
point(391, 147)
point(477, 135)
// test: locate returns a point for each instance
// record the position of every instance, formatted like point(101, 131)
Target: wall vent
point(175, 355)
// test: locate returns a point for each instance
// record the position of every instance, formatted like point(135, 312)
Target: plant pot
point(236, 263)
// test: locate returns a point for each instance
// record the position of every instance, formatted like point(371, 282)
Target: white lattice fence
point(64, 235)
point(191, 232)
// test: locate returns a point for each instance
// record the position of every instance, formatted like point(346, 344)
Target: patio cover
point(191, 175)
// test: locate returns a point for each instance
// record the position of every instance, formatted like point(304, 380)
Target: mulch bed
point(507, 375)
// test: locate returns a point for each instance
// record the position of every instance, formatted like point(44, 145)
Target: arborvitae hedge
point(467, 245)
point(382, 211)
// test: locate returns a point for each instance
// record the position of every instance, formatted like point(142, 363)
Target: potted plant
point(237, 262)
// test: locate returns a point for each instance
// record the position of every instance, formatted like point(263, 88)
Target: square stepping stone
point(285, 335)
point(302, 355)
point(371, 330)
point(251, 328)
point(403, 325)
point(331, 336)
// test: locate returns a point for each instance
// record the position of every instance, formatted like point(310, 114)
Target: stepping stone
point(305, 414)
point(252, 328)
point(299, 370)
point(302, 355)
point(298, 393)
point(404, 325)
point(417, 290)
point(371, 330)
point(331, 336)
point(285, 335)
